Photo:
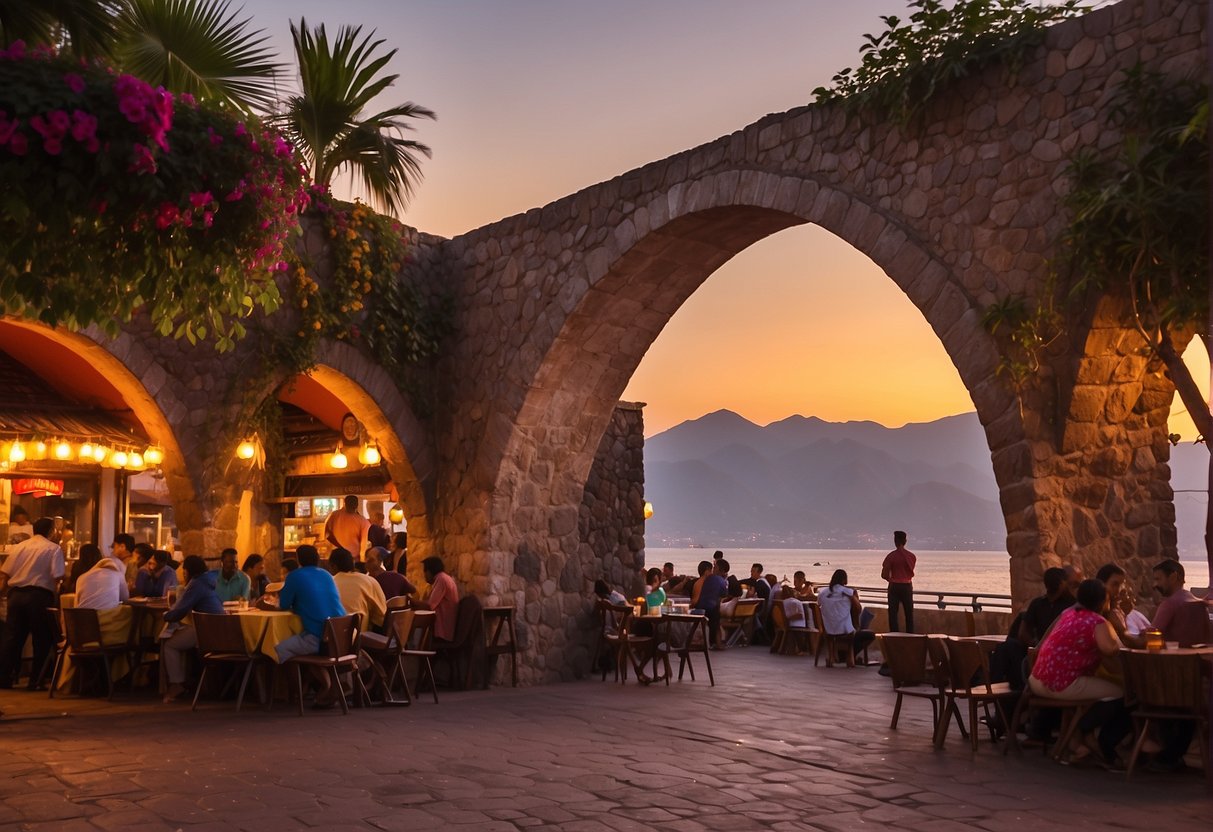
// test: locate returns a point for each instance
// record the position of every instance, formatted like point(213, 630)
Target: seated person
point(802, 588)
point(103, 587)
point(157, 578)
point(443, 598)
point(733, 592)
point(840, 608)
point(655, 597)
point(178, 637)
point(707, 596)
point(254, 568)
point(143, 554)
point(1065, 668)
point(793, 610)
point(675, 584)
point(394, 584)
point(230, 582)
point(90, 554)
point(311, 594)
point(358, 593)
point(611, 596)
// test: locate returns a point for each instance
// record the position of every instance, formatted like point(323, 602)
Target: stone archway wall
point(557, 305)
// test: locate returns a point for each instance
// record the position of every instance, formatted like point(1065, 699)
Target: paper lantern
point(396, 515)
point(16, 453)
point(246, 449)
point(63, 450)
point(369, 455)
point(648, 510)
point(153, 455)
point(338, 460)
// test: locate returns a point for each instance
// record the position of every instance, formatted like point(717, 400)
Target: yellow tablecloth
point(282, 625)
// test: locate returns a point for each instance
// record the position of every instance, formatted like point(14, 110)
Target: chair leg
point(248, 671)
point(945, 722)
point(1013, 725)
point(429, 668)
point(896, 712)
point(1141, 738)
point(345, 708)
point(707, 660)
point(973, 722)
point(55, 673)
point(1068, 729)
point(198, 690)
point(299, 686)
point(109, 678)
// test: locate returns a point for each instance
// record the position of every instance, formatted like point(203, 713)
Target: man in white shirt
point(30, 576)
point(103, 587)
point(358, 593)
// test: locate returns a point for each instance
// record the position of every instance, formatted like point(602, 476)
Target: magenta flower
point(52, 146)
point(18, 144)
point(166, 215)
point(74, 82)
point(200, 199)
point(142, 160)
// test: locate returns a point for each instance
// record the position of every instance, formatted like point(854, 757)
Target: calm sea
point(982, 572)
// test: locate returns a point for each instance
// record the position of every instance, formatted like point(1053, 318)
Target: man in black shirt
point(1043, 611)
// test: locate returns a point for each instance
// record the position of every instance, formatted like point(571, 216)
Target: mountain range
point(803, 482)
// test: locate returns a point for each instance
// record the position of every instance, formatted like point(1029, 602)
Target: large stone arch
point(142, 382)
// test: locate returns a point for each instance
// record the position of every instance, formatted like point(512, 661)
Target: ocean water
point(988, 573)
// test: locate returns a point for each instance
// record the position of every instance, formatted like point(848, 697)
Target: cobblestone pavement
point(777, 744)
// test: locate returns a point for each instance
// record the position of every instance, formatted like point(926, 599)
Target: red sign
point(38, 487)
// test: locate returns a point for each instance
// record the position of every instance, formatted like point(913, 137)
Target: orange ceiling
point(63, 370)
point(310, 395)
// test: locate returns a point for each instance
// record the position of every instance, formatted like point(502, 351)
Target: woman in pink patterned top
point(1066, 664)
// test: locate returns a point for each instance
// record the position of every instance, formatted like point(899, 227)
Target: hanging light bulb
point(63, 450)
point(154, 455)
point(338, 460)
point(119, 459)
point(369, 454)
point(246, 449)
point(100, 452)
point(396, 515)
point(86, 451)
point(17, 452)
point(40, 450)
point(134, 460)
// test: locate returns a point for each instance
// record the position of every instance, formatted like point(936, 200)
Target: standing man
point(347, 529)
point(30, 576)
point(898, 570)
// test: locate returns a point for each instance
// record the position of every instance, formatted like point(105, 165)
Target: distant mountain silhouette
point(805, 482)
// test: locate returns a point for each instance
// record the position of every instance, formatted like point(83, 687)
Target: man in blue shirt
point(231, 583)
point(311, 594)
point(157, 578)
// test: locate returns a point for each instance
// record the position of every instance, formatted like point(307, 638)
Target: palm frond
point(85, 28)
point(199, 47)
point(386, 165)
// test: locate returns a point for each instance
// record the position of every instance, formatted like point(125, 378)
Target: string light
point(246, 449)
point(369, 455)
point(338, 460)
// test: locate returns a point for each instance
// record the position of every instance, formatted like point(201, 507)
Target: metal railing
point(971, 601)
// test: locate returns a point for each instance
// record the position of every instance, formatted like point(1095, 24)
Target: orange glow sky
point(537, 99)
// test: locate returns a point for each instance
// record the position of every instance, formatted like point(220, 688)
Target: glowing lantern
point(100, 452)
point(119, 459)
point(63, 450)
point(396, 515)
point(153, 455)
point(40, 450)
point(134, 460)
point(648, 510)
point(369, 455)
point(338, 460)
point(16, 453)
point(86, 451)
point(247, 449)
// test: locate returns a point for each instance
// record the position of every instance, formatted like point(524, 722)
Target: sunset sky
point(537, 99)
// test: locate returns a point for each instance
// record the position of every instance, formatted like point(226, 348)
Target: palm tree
point(198, 47)
point(337, 82)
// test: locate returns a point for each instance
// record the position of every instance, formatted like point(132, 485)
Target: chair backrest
point(1164, 680)
point(968, 659)
point(399, 602)
point(340, 631)
point(813, 614)
point(219, 633)
point(422, 632)
point(906, 656)
point(398, 624)
point(469, 620)
point(937, 652)
point(747, 607)
point(82, 628)
point(615, 617)
point(1190, 624)
point(779, 618)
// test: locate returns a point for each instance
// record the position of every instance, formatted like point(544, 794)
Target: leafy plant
point(1026, 332)
point(338, 81)
point(905, 65)
point(120, 199)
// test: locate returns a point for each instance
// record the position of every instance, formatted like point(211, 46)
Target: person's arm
point(183, 606)
point(1106, 640)
point(377, 603)
point(884, 569)
point(124, 593)
point(1117, 624)
point(437, 594)
point(286, 597)
point(1162, 617)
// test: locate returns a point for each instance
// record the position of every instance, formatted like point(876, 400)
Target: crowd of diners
point(715, 591)
point(33, 580)
point(1075, 630)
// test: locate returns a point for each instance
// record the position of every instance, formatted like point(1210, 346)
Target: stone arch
point(377, 402)
point(618, 296)
point(142, 382)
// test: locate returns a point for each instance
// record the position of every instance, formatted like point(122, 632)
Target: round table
point(277, 625)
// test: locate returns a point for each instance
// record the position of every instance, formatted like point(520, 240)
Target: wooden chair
point(968, 659)
point(468, 641)
point(1166, 686)
point(386, 653)
point(785, 635)
point(696, 642)
point(340, 655)
point(830, 643)
point(82, 641)
point(418, 646)
point(1191, 624)
point(941, 666)
point(1072, 711)
point(617, 637)
point(907, 657)
point(735, 623)
point(221, 642)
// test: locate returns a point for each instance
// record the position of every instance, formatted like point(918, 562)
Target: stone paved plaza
point(777, 744)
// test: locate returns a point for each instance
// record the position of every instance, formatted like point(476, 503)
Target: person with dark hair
point(31, 575)
point(131, 556)
point(802, 587)
point(840, 611)
point(723, 568)
point(1043, 610)
point(612, 596)
point(103, 587)
point(706, 596)
point(89, 556)
point(674, 584)
point(254, 569)
point(393, 584)
point(400, 553)
point(898, 571)
point(359, 593)
point(178, 636)
point(1175, 735)
point(443, 598)
point(158, 577)
point(347, 529)
point(310, 593)
point(655, 597)
point(1066, 665)
point(230, 582)
point(289, 565)
point(19, 528)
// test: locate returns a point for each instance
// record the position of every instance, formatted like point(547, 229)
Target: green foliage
point(904, 66)
point(198, 47)
point(89, 27)
point(1025, 331)
point(1140, 215)
point(119, 201)
point(338, 81)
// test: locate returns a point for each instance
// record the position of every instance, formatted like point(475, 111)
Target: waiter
point(347, 529)
point(31, 576)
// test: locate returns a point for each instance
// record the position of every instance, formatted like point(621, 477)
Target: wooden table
point(663, 629)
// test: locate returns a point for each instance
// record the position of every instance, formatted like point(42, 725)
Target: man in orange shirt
point(443, 598)
point(347, 529)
